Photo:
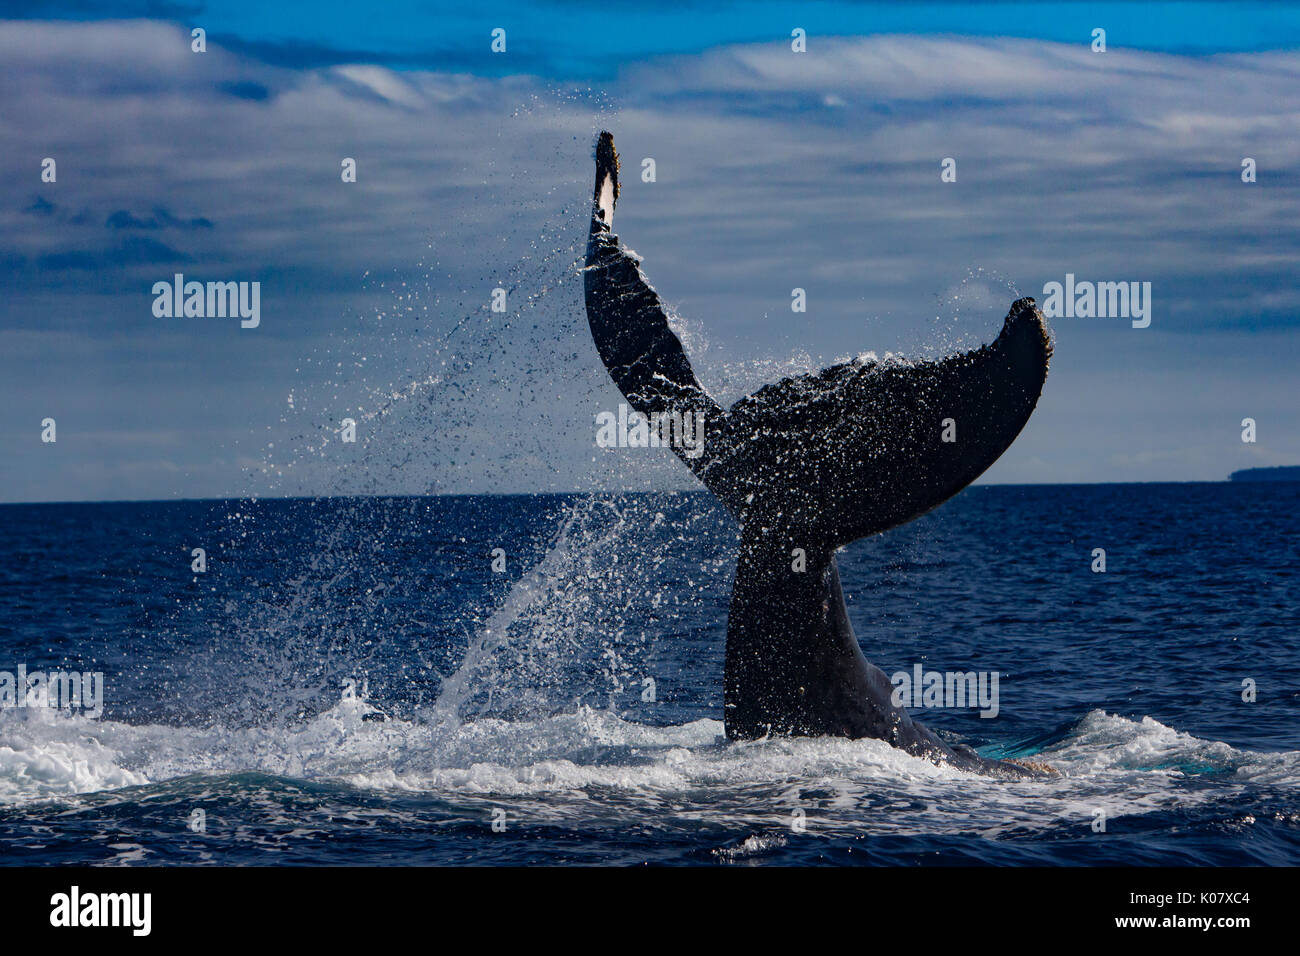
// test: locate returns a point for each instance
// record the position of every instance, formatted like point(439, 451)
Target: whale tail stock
point(807, 465)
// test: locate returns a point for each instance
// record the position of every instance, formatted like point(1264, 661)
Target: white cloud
point(774, 170)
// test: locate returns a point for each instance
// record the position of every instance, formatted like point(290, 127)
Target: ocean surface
point(350, 681)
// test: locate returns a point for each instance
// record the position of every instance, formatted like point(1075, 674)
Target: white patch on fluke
point(606, 203)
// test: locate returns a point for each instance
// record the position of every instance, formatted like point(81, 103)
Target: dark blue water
point(351, 682)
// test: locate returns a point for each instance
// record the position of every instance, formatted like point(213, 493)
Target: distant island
point(1279, 473)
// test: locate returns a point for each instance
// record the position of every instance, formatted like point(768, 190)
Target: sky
point(774, 170)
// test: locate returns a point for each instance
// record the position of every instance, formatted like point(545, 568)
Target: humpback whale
point(812, 463)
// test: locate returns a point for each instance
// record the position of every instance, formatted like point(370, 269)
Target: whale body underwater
point(806, 466)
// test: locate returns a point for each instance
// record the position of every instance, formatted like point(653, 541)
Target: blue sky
point(775, 170)
point(558, 39)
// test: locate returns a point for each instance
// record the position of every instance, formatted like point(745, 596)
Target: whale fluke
point(814, 462)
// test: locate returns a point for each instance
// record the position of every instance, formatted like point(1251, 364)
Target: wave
point(592, 763)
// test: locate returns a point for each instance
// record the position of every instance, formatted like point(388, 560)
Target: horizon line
point(573, 493)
